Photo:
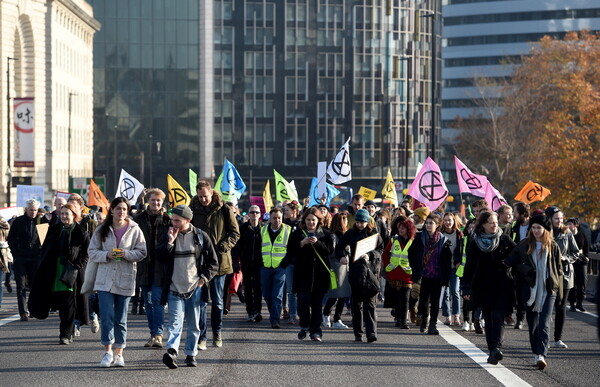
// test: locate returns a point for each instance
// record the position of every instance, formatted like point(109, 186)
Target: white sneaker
point(326, 322)
point(471, 326)
point(560, 344)
point(94, 325)
point(339, 325)
point(107, 359)
point(77, 332)
point(202, 345)
point(119, 361)
point(540, 362)
point(466, 326)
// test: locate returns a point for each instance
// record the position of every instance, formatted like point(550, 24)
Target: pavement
point(253, 354)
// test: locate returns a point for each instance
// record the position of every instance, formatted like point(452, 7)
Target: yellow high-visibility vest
point(461, 269)
point(273, 253)
point(399, 256)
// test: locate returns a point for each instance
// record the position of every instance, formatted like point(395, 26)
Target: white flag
point(129, 187)
point(339, 169)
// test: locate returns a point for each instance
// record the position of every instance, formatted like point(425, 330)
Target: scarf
point(538, 293)
point(488, 242)
point(431, 246)
point(64, 239)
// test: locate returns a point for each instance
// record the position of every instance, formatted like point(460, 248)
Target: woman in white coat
point(117, 244)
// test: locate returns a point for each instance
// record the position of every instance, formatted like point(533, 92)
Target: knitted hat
point(542, 220)
point(370, 203)
point(362, 215)
point(183, 211)
point(422, 212)
point(550, 211)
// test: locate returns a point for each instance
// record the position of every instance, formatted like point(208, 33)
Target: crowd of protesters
point(304, 262)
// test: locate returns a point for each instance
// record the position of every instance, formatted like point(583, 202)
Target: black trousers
point(560, 308)
point(252, 291)
point(310, 312)
point(431, 289)
point(577, 294)
point(401, 297)
point(339, 308)
point(25, 269)
point(65, 303)
point(494, 326)
point(363, 311)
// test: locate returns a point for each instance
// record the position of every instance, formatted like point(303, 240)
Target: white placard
point(366, 245)
point(26, 192)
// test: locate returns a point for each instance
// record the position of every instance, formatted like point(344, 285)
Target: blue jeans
point(272, 281)
point(452, 292)
point(180, 308)
point(113, 319)
point(215, 286)
point(155, 312)
point(292, 300)
point(539, 326)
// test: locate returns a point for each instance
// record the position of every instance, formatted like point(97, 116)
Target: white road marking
point(501, 373)
point(10, 319)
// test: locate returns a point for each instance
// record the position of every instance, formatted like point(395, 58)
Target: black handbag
point(69, 275)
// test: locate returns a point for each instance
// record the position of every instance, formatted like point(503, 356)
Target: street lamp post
point(432, 14)
point(406, 59)
point(69, 142)
point(8, 131)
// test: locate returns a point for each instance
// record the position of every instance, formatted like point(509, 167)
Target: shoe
point(8, 287)
point(471, 326)
point(339, 325)
point(413, 316)
point(326, 322)
point(432, 330)
point(107, 359)
point(423, 325)
point(250, 318)
point(119, 361)
point(77, 332)
point(466, 326)
point(149, 342)
point(258, 318)
point(540, 362)
point(302, 334)
point(170, 358)
point(157, 341)
point(218, 340)
point(495, 356)
point(559, 344)
point(508, 320)
point(519, 324)
point(286, 313)
point(142, 311)
point(315, 337)
point(202, 345)
point(190, 361)
point(448, 321)
point(401, 325)
point(371, 339)
point(580, 308)
point(25, 317)
point(357, 337)
point(225, 312)
point(572, 309)
point(275, 326)
point(64, 341)
point(478, 328)
point(293, 320)
point(94, 325)
point(456, 320)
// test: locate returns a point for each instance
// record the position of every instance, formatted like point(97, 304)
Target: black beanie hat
point(550, 211)
point(542, 220)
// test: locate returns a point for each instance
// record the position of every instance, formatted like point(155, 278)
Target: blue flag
point(315, 200)
point(232, 182)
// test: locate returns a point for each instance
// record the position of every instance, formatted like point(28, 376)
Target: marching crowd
point(305, 263)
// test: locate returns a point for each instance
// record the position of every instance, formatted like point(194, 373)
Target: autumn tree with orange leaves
point(543, 124)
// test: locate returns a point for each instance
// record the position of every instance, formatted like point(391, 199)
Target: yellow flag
point(177, 195)
point(368, 194)
point(389, 189)
point(267, 197)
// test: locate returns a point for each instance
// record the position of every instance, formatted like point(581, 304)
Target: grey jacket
point(570, 253)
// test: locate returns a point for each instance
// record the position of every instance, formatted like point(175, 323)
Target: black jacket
point(249, 248)
point(486, 278)
point(207, 262)
point(23, 238)
point(40, 299)
point(310, 275)
point(150, 272)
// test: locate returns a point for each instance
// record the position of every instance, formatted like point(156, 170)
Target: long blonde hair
point(546, 241)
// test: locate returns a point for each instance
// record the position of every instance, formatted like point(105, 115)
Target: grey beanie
point(183, 211)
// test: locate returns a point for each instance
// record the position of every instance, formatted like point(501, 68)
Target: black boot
point(432, 330)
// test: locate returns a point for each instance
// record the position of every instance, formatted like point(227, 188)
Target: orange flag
point(532, 192)
point(96, 197)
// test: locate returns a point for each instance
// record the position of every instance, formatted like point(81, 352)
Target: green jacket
point(221, 226)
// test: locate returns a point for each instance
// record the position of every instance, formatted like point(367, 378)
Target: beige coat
point(117, 277)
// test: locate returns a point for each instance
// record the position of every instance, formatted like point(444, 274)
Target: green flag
point(219, 188)
point(193, 178)
point(283, 190)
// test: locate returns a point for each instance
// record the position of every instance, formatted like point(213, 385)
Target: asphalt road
point(256, 355)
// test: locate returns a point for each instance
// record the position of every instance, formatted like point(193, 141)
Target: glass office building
point(293, 79)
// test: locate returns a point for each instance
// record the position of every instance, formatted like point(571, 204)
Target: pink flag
point(493, 197)
point(258, 201)
point(468, 181)
point(429, 187)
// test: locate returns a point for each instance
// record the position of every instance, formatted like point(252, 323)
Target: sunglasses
point(254, 212)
